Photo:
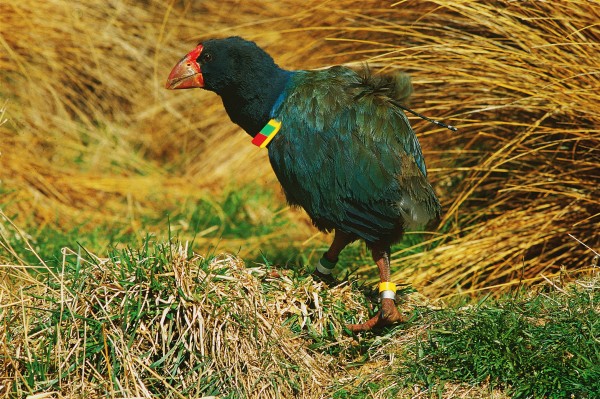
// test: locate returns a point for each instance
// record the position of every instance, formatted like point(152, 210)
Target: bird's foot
point(388, 315)
point(326, 278)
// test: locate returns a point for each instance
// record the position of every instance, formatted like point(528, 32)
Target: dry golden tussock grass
point(93, 136)
point(526, 170)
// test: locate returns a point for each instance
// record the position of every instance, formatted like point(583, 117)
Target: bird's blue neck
point(251, 104)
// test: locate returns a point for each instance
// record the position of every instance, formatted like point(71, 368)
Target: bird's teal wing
point(349, 157)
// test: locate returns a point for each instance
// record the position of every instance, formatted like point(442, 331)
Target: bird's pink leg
point(388, 314)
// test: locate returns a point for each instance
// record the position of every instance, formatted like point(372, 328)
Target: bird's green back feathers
point(348, 156)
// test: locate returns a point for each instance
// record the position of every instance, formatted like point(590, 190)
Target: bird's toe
point(388, 315)
point(389, 312)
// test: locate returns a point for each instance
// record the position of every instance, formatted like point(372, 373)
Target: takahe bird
point(339, 143)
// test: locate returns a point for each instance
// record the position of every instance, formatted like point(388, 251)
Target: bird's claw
point(388, 315)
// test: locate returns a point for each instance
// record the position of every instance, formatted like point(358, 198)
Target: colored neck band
point(266, 134)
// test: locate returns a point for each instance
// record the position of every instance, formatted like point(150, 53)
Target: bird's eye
point(206, 57)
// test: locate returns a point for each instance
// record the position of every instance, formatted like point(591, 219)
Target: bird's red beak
point(186, 74)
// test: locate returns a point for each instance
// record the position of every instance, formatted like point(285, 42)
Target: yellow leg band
point(387, 286)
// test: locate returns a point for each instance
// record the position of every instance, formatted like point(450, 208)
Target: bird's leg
point(388, 314)
point(330, 258)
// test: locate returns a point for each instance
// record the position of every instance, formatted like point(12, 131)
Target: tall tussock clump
point(72, 85)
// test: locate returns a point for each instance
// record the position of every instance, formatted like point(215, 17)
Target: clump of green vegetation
point(238, 212)
point(545, 345)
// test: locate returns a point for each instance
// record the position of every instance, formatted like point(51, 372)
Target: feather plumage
point(349, 157)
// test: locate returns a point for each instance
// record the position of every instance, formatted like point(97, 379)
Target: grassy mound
point(163, 321)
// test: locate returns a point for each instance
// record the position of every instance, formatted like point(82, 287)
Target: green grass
point(542, 345)
point(243, 213)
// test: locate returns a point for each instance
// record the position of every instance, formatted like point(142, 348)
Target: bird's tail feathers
point(398, 89)
point(401, 87)
point(397, 86)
